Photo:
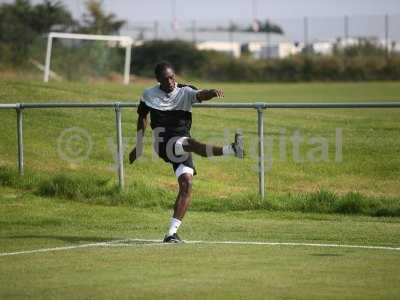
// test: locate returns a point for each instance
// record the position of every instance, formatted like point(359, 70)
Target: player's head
point(165, 75)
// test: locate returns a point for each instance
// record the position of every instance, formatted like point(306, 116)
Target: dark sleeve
point(143, 109)
point(181, 85)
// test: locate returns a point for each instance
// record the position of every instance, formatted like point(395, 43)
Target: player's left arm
point(205, 95)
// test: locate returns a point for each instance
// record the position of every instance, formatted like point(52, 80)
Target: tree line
point(23, 27)
point(23, 24)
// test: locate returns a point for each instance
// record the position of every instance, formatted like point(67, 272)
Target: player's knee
point(199, 148)
point(185, 183)
point(189, 144)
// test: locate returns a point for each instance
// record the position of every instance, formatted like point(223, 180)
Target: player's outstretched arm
point(138, 150)
point(205, 95)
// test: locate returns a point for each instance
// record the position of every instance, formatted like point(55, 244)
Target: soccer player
point(170, 105)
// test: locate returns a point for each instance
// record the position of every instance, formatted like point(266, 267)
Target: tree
point(183, 55)
point(21, 24)
point(267, 27)
point(51, 14)
point(233, 27)
point(98, 22)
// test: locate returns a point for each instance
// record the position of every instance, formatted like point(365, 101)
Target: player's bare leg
point(236, 148)
point(181, 205)
point(202, 149)
point(184, 196)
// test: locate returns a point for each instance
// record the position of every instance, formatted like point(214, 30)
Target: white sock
point(173, 227)
point(228, 150)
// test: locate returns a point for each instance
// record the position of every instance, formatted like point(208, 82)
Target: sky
point(236, 9)
point(326, 16)
point(150, 10)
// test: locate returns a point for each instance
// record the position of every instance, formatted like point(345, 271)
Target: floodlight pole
point(127, 63)
point(261, 166)
point(387, 48)
point(20, 139)
point(48, 57)
point(194, 31)
point(305, 29)
point(120, 152)
point(346, 29)
point(254, 9)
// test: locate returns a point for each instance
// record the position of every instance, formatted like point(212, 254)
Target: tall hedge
point(185, 57)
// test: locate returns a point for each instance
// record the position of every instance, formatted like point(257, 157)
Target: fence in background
point(118, 106)
point(305, 30)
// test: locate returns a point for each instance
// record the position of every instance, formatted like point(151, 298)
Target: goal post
point(125, 41)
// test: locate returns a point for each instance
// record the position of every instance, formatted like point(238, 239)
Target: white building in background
point(392, 45)
point(280, 50)
point(343, 43)
point(254, 48)
point(231, 48)
point(323, 48)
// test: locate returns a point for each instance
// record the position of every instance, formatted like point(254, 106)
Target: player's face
point(167, 80)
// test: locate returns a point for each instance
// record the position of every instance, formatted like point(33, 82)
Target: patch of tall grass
point(96, 189)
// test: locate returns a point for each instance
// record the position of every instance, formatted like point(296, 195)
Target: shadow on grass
point(69, 239)
point(326, 254)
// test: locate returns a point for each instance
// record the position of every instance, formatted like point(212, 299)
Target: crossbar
point(117, 106)
point(92, 37)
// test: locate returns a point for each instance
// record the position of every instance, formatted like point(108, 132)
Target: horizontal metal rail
point(259, 106)
point(262, 105)
point(8, 106)
point(334, 105)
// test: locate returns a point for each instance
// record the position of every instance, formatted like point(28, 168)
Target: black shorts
point(165, 148)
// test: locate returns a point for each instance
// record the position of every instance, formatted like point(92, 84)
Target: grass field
point(142, 271)
point(63, 203)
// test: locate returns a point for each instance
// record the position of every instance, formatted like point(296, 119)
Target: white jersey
point(181, 98)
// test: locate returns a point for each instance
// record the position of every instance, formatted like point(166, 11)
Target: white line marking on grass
point(274, 244)
point(102, 244)
point(135, 242)
point(294, 244)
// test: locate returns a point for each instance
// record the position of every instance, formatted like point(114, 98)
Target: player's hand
point(132, 156)
point(218, 93)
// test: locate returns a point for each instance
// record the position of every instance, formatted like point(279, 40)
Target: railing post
point(20, 139)
point(261, 167)
point(120, 154)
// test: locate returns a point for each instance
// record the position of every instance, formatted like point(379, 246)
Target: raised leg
point(192, 145)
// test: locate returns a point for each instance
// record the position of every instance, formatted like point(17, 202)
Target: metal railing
point(118, 106)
